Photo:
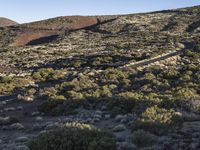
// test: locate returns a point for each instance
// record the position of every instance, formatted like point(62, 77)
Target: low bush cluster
point(143, 138)
point(157, 120)
point(73, 138)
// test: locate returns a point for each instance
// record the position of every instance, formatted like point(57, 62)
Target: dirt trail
point(153, 60)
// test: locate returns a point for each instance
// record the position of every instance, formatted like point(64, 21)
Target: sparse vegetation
point(74, 138)
point(141, 72)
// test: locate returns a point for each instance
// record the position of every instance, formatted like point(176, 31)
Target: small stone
point(103, 108)
point(52, 126)
point(39, 119)
point(4, 120)
point(10, 109)
point(4, 102)
point(95, 120)
point(98, 112)
point(35, 113)
point(37, 127)
point(119, 128)
point(16, 126)
point(118, 118)
point(22, 147)
point(88, 120)
point(22, 139)
point(107, 116)
point(43, 132)
point(97, 116)
point(19, 108)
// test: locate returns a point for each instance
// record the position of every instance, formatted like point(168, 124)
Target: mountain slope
point(6, 22)
point(174, 21)
point(136, 76)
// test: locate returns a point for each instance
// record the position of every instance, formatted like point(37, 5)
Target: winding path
point(153, 60)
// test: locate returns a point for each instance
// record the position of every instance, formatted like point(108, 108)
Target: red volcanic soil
point(26, 36)
point(73, 22)
point(41, 29)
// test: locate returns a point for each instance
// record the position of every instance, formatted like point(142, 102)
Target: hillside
point(6, 22)
point(121, 82)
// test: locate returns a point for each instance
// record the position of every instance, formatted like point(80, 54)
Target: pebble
point(22, 139)
point(35, 113)
point(4, 102)
point(95, 120)
point(19, 108)
point(10, 109)
point(52, 126)
point(16, 126)
point(22, 147)
point(39, 119)
point(97, 116)
point(98, 112)
point(119, 128)
point(118, 118)
point(107, 116)
point(37, 126)
point(89, 120)
point(103, 108)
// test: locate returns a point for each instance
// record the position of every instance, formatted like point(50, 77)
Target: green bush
point(74, 139)
point(8, 85)
point(157, 119)
point(186, 93)
point(48, 74)
point(121, 105)
point(59, 106)
point(131, 95)
point(143, 138)
point(6, 79)
point(51, 107)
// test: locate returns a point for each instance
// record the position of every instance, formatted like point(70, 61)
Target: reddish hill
point(51, 27)
point(6, 22)
point(71, 22)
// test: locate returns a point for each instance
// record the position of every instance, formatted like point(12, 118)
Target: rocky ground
point(31, 123)
point(150, 59)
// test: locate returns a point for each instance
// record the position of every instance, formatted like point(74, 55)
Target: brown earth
point(6, 22)
point(52, 27)
point(28, 35)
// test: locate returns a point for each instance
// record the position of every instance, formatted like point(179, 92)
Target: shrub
point(8, 85)
point(113, 76)
point(51, 107)
point(157, 119)
point(60, 106)
point(121, 105)
point(6, 79)
point(131, 95)
point(75, 95)
point(74, 139)
point(143, 138)
point(48, 74)
point(186, 93)
point(50, 92)
point(192, 105)
point(171, 74)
